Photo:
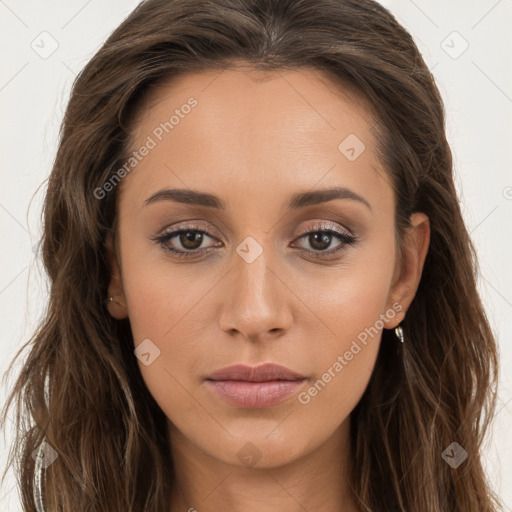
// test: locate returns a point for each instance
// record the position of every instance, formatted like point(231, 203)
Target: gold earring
point(399, 333)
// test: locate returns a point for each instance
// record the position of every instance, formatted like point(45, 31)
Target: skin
point(254, 139)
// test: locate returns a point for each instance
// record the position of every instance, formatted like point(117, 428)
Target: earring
point(111, 299)
point(399, 333)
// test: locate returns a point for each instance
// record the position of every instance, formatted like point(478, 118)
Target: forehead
point(253, 128)
point(303, 99)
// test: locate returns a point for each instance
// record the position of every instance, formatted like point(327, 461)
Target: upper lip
point(263, 373)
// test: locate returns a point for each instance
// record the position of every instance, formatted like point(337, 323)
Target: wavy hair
point(80, 390)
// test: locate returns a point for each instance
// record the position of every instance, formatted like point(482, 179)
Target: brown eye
point(185, 241)
point(191, 239)
point(320, 238)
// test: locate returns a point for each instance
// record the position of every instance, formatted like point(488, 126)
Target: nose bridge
point(252, 286)
point(255, 303)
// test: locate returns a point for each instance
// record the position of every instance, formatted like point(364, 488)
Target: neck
point(315, 481)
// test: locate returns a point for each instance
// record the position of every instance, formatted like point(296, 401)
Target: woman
point(262, 289)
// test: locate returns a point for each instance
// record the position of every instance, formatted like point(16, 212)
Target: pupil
point(188, 239)
point(323, 238)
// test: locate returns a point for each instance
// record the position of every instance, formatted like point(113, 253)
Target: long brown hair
point(80, 389)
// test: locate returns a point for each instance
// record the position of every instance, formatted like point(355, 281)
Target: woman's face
point(272, 266)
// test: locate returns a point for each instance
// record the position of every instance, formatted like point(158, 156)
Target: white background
point(476, 86)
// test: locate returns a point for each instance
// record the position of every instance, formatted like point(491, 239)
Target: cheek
point(342, 302)
point(171, 306)
point(168, 305)
point(352, 307)
point(160, 291)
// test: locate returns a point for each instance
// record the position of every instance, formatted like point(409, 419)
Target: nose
point(257, 301)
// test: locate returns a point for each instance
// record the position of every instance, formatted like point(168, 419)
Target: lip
point(262, 373)
point(255, 387)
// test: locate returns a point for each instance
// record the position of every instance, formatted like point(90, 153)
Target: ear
point(408, 271)
point(117, 306)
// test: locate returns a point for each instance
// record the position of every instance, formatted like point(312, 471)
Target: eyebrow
point(298, 200)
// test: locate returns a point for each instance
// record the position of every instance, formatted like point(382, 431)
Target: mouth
point(263, 373)
point(255, 387)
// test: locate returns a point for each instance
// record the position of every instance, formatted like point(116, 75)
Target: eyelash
point(345, 238)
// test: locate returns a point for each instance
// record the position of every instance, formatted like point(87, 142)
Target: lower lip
point(254, 395)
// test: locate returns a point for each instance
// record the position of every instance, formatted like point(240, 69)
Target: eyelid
point(324, 225)
point(183, 227)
